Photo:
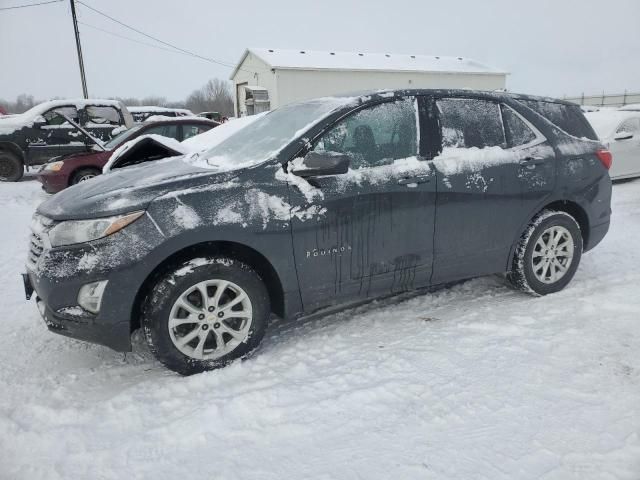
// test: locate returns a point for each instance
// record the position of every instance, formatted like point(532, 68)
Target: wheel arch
point(13, 148)
point(235, 250)
point(568, 206)
point(75, 171)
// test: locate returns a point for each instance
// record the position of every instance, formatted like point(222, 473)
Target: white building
point(268, 78)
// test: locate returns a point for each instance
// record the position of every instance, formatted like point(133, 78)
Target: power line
point(131, 39)
point(26, 5)
point(187, 52)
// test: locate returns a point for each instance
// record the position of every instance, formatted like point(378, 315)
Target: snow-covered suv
point(33, 137)
point(319, 204)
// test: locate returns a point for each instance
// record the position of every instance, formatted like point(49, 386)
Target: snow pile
point(185, 216)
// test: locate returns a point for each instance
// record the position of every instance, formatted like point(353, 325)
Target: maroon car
point(62, 172)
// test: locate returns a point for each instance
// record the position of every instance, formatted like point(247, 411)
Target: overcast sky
point(550, 47)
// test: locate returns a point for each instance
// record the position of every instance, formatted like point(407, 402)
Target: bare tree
point(23, 103)
point(214, 96)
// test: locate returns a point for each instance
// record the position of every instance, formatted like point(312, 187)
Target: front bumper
point(53, 182)
point(58, 274)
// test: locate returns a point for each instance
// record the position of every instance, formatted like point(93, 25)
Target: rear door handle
point(414, 180)
point(531, 161)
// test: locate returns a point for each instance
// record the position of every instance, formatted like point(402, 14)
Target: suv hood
point(129, 189)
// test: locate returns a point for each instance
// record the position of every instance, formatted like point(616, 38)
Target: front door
point(56, 136)
point(490, 173)
point(626, 151)
point(372, 230)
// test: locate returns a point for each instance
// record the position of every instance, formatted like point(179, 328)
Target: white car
point(620, 132)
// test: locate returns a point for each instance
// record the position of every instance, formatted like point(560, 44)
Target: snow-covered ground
point(473, 382)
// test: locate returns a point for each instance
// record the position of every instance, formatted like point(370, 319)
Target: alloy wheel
point(210, 319)
point(552, 254)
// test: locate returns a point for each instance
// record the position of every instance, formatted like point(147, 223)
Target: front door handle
point(531, 161)
point(414, 180)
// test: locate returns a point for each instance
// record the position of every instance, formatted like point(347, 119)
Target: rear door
point(101, 120)
point(370, 231)
point(489, 172)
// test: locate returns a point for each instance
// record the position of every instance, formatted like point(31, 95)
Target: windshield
point(265, 137)
point(121, 138)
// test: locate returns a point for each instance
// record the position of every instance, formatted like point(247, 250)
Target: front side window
point(517, 131)
point(376, 135)
point(52, 117)
point(467, 123)
point(103, 115)
point(170, 131)
point(631, 125)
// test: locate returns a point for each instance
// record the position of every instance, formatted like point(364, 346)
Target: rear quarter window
point(566, 117)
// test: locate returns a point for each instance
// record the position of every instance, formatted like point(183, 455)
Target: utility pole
point(80, 61)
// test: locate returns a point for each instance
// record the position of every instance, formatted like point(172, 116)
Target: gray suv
point(320, 204)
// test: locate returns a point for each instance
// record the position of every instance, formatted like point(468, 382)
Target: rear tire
point(11, 167)
point(547, 255)
point(205, 313)
point(84, 174)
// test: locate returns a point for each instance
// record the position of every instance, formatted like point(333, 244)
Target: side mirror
point(316, 164)
point(623, 136)
point(39, 121)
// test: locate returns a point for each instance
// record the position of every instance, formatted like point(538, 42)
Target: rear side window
point(566, 117)
point(517, 131)
point(103, 115)
point(467, 123)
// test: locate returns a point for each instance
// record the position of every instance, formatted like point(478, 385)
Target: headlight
point(53, 167)
point(80, 231)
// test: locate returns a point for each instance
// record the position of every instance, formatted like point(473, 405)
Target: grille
point(39, 226)
point(36, 247)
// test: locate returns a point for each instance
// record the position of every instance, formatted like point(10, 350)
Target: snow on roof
point(316, 60)
point(13, 122)
point(605, 122)
point(152, 109)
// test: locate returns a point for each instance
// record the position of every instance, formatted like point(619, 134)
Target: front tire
point(84, 174)
point(547, 255)
point(205, 314)
point(11, 167)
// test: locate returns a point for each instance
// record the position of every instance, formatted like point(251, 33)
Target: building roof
point(389, 62)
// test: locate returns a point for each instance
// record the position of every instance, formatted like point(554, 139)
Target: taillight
point(605, 157)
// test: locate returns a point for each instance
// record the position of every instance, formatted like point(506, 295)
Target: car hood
point(129, 189)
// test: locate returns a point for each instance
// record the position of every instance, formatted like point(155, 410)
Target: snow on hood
point(9, 124)
point(170, 143)
point(128, 189)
